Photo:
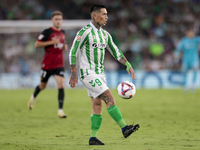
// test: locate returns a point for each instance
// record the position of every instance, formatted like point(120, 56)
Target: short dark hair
point(57, 12)
point(96, 7)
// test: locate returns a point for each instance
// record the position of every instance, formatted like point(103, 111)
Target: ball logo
point(99, 45)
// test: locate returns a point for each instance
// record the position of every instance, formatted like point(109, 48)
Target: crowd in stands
point(146, 31)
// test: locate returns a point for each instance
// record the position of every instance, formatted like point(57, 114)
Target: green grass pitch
point(169, 120)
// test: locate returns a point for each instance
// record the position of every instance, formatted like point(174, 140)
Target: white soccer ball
point(126, 89)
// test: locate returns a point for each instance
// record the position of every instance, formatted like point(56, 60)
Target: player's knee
point(42, 86)
point(110, 104)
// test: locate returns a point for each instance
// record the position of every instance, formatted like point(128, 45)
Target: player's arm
point(178, 49)
point(117, 54)
point(65, 47)
point(43, 41)
point(72, 60)
point(73, 77)
point(129, 68)
point(46, 43)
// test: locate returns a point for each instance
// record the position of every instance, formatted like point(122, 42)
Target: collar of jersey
point(95, 29)
point(55, 30)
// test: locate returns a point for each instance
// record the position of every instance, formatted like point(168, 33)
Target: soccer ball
point(126, 89)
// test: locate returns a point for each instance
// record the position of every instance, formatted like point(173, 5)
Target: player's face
point(102, 17)
point(57, 21)
point(190, 34)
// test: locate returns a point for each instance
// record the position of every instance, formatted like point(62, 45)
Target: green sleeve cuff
point(128, 66)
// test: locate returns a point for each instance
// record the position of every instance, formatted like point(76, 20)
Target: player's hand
point(131, 71)
point(55, 40)
point(73, 80)
point(65, 47)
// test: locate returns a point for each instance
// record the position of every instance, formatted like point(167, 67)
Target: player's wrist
point(128, 66)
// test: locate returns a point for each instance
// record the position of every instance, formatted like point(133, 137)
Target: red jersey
point(53, 57)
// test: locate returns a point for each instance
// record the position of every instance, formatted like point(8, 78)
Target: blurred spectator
point(146, 31)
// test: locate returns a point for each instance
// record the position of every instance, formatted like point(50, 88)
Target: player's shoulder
point(47, 31)
point(85, 29)
point(63, 31)
point(197, 37)
point(183, 39)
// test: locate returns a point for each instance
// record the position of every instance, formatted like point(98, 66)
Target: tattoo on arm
point(123, 60)
point(73, 72)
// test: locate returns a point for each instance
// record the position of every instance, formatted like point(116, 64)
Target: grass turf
point(169, 120)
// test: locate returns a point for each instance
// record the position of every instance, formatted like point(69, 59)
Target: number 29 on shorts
point(95, 82)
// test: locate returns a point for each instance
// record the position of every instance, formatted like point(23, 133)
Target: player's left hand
point(131, 71)
point(73, 80)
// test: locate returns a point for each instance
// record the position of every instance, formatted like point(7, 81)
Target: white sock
point(60, 110)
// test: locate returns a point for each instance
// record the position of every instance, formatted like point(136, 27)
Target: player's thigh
point(95, 84)
point(44, 75)
point(60, 81)
point(59, 77)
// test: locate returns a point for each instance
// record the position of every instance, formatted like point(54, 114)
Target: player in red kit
point(53, 41)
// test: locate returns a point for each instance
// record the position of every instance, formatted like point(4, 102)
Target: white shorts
point(95, 84)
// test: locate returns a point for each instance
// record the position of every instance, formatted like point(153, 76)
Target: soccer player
point(90, 44)
point(189, 46)
point(53, 41)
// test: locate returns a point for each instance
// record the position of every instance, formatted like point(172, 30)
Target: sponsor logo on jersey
point(40, 36)
point(78, 38)
point(99, 45)
point(59, 46)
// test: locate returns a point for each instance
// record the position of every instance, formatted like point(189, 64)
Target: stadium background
point(146, 31)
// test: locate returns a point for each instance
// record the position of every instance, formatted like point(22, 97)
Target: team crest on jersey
point(99, 45)
point(94, 37)
point(78, 38)
point(40, 36)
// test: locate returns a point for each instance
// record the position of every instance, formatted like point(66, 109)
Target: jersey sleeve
point(198, 39)
point(76, 46)
point(113, 49)
point(178, 48)
point(44, 35)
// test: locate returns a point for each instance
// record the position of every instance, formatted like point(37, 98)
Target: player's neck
point(55, 28)
point(96, 24)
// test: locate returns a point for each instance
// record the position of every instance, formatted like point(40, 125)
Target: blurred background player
point(53, 41)
point(90, 44)
point(189, 46)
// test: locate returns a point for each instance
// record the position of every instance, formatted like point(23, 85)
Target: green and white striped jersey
point(90, 45)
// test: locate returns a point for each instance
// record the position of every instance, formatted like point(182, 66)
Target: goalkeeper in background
point(189, 46)
point(90, 44)
point(53, 41)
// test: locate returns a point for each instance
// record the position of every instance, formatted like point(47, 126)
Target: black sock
point(61, 95)
point(36, 92)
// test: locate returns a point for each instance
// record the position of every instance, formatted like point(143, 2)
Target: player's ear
point(94, 15)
